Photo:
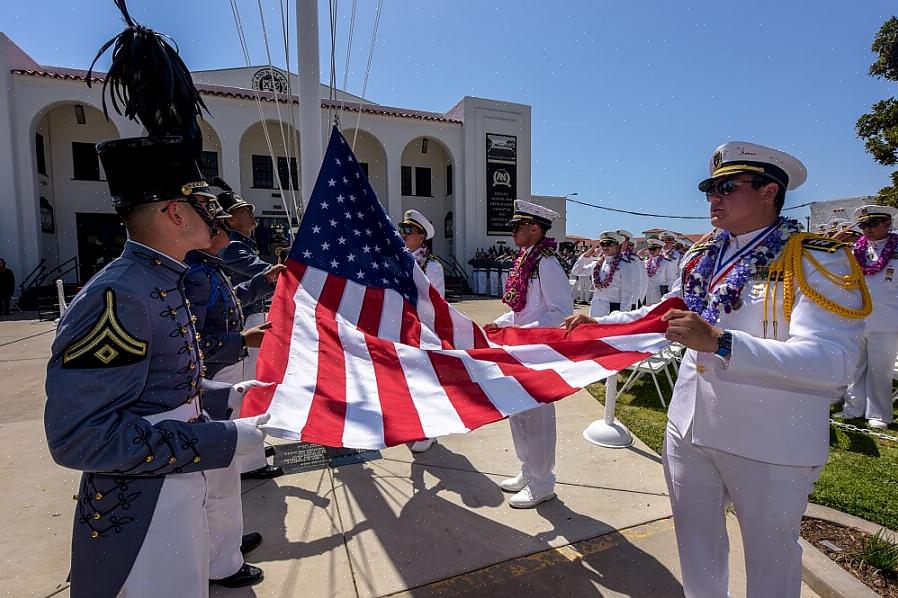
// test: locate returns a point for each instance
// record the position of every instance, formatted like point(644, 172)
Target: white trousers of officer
point(769, 501)
point(533, 434)
point(870, 393)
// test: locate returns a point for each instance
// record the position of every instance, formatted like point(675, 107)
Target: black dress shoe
point(250, 542)
point(269, 451)
point(246, 576)
point(263, 473)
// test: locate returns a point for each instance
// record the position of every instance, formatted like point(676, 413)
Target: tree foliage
point(879, 128)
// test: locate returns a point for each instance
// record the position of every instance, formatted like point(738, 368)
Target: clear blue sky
point(629, 98)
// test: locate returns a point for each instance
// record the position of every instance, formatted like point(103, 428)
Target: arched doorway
point(77, 218)
point(270, 180)
point(426, 185)
point(372, 156)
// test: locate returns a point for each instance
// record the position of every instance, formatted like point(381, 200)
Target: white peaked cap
point(741, 156)
point(417, 218)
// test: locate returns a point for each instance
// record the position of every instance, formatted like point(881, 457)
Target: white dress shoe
point(527, 499)
point(877, 423)
point(515, 484)
point(419, 446)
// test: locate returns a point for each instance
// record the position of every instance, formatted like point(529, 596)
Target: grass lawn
point(861, 477)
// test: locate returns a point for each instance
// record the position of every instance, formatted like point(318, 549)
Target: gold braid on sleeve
point(790, 262)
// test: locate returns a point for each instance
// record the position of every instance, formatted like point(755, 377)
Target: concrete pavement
point(409, 525)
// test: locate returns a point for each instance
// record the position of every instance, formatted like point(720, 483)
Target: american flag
point(366, 354)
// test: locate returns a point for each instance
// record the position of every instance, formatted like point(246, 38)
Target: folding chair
point(652, 366)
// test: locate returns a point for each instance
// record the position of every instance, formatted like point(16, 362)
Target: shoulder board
point(547, 252)
point(106, 344)
point(821, 243)
point(698, 247)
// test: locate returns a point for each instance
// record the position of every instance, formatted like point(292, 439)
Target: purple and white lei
point(728, 295)
point(652, 264)
point(860, 253)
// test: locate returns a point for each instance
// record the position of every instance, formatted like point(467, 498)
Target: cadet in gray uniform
point(127, 401)
point(242, 261)
point(219, 319)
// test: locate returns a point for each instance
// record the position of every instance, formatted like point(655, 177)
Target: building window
point(209, 165)
point(406, 180)
point(41, 156)
point(85, 162)
point(364, 167)
point(449, 179)
point(282, 172)
point(263, 172)
point(422, 182)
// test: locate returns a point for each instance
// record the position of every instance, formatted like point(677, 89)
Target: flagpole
point(311, 138)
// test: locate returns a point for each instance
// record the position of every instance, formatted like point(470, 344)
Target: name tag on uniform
point(762, 272)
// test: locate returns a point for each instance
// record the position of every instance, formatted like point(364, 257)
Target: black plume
point(149, 82)
point(219, 182)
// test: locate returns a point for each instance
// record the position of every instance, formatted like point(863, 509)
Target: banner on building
point(501, 182)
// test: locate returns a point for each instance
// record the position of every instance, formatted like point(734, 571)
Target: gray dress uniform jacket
point(126, 352)
point(218, 307)
point(241, 258)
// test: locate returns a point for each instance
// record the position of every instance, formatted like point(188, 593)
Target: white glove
point(237, 392)
point(249, 433)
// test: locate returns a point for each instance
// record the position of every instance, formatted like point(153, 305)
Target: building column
point(393, 169)
point(230, 161)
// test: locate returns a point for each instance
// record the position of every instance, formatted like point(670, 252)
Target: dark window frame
point(85, 162)
point(209, 165)
point(40, 154)
point(423, 181)
point(405, 179)
point(282, 172)
point(449, 181)
point(263, 172)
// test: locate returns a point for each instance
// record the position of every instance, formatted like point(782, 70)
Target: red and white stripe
point(359, 367)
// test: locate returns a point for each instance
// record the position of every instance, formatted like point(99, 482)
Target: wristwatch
point(724, 344)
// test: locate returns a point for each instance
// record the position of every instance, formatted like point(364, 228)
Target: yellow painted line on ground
point(496, 575)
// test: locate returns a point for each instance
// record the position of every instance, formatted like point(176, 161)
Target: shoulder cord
point(791, 268)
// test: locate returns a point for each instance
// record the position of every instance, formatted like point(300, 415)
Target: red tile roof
point(247, 94)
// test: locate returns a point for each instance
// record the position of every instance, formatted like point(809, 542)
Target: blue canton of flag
point(345, 230)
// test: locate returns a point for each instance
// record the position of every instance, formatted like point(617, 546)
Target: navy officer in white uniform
point(416, 230)
point(619, 279)
point(870, 393)
point(539, 295)
point(773, 330)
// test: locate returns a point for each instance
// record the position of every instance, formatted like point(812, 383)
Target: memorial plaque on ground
point(298, 457)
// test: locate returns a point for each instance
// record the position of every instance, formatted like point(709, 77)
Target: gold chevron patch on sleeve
point(107, 344)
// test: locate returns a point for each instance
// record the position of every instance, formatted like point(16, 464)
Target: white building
point(824, 212)
point(460, 168)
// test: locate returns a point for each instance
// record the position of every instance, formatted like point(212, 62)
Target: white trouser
point(224, 511)
point(769, 501)
point(240, 371)
point(653, 295)
point(585, 288)
point(870, 393)
point(533, 434)
point(174, 557)
point(494, 291)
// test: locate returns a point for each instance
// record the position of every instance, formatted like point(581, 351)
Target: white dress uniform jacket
point(628, 285)
point(432, 268)
point(663, 281)
point(533, 432)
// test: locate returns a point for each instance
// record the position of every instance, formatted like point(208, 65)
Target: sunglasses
point(607, 243)
point(407, 229)
point(873, 222)
point(724, 187)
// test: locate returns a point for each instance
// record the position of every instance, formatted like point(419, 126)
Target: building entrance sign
point(501, 182)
